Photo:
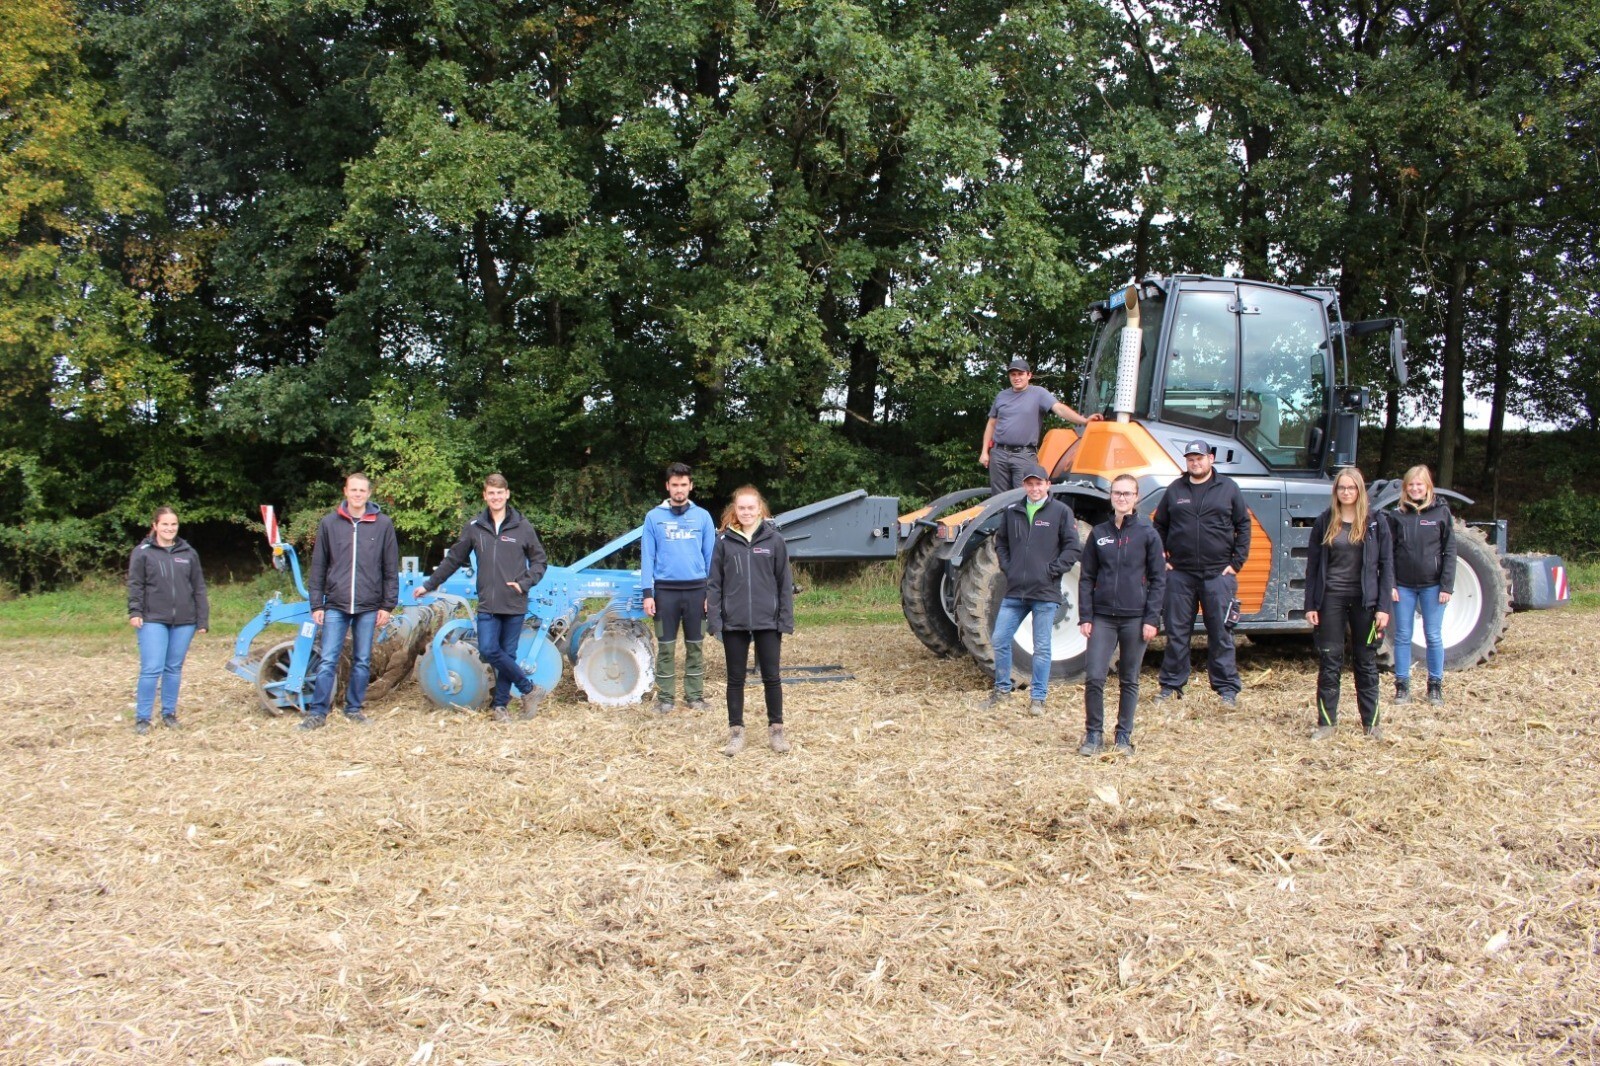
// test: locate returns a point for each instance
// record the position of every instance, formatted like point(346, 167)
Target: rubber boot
point(1436, 690)
point(694, 674)
point(666, 681)
point(1402, 690)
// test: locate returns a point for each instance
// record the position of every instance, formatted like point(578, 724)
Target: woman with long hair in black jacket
point(1349, 592)
point(750, 601)
point(167, 606)
point(1424, 578)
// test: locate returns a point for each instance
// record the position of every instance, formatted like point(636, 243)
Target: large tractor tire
point(1478, 613)
point(923, 598)
point(979, 590)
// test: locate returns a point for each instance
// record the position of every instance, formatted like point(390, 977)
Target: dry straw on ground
point(920, 881)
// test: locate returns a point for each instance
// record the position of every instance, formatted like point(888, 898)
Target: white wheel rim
point(1066, 639)
point(1461, 614)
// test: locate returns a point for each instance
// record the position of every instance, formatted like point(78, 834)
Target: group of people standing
point(732, 579)
point(1137, 575)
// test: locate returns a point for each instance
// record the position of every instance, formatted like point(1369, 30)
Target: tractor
point(1258, 370)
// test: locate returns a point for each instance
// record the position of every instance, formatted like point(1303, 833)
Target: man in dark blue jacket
point(1037, 542)
point(354, 587)
point(510, 562)
point(1205, 527)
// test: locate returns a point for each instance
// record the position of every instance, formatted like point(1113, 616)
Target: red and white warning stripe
point(269, 518)
point(1560, 583)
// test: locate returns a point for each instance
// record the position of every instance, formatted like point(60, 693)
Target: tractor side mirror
point(1397, 353)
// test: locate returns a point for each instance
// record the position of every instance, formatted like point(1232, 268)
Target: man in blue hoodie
point(354, 587)
point(676, 559)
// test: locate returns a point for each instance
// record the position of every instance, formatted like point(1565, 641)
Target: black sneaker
point(141, 727)
point(1092, 745)
point(1125, 747)
point(1402, 690)
point(1230, 700)
point(170, 721)
point(1169, 694)
point(357, 718)
point(998, 698)
point(1436, 690)
point(312, 721)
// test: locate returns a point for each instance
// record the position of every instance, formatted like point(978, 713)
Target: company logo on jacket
point(760, 551)
point(1041, 522)
point(1104, 541)
point(507, 540)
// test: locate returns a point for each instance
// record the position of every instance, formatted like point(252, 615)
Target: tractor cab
point(1246, 365)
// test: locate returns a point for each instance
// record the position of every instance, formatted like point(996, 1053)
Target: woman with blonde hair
point(750, 600)
point(1424, 575)
point(1349, 587)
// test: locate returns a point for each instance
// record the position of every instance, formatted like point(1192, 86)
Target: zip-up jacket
point(166, 585)
point(355, 564)
point(1035, 552)
point(750, 587)
point(513, 554)
point(1124, 572)
point(1424, 547)
point(676, 547)
point(1204, 527)
point(1377, 564)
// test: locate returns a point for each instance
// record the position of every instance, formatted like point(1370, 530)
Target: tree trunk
point(1391, 431)
point(1452, 372)
point(1502, 385)
point(861, 395)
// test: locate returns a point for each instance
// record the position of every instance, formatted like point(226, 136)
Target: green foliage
point(42, 553)
point(412, 451)
point(1565, 522)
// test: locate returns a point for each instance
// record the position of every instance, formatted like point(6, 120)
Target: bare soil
point(919, 881)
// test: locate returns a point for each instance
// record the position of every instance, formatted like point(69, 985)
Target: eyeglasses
point(1124, 494)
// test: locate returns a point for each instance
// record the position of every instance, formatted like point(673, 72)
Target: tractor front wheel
point(922, 598)
point(1478, 613)
point(979, 590)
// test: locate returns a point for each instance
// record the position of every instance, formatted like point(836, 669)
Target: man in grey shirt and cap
point(1016, 422)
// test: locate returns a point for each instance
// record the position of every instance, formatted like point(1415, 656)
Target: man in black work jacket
point(354, 587)
point(510, 562)
point(1037, 542)
point(1205, 527)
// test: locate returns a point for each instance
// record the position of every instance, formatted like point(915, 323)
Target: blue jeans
point(1405, 616)
point(362, 626)
point(162, 649)
point(498, 636)
point(1006, 623)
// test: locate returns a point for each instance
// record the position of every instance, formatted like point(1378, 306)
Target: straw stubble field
point(919, 881)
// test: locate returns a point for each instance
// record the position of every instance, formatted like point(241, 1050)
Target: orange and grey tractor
point(1259, 371)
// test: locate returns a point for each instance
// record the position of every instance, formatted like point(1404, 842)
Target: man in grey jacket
point(354, 587)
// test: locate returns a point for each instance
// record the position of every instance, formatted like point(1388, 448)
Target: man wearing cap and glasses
point(1016, 422)
point(1205, 526)
point(1037, 542)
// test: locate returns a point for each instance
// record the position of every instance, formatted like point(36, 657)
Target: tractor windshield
point(1250, 362)
point(1103, 380)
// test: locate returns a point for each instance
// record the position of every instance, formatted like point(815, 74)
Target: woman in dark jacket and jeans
point(1424, 577)
point(1121, 589)
point(1349, 589)
point(167, 606)
point(750, 600)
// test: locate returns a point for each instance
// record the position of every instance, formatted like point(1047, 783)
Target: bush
point(48, 553)
point(1566, 522)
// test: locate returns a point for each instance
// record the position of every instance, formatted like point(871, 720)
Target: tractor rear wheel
point(979, 590)
point(1478, 613)
point(922, 598)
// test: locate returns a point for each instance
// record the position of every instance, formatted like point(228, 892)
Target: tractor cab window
point(1108, 342)
point(1202, 363)
point(1250, 363)
point(1282, 375)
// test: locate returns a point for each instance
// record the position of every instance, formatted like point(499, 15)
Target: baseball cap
point(1035, 471)
point(1196, 447)
point(1019, 363)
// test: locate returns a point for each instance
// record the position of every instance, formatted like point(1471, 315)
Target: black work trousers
point(1343, 615)
point(1108, 635)
point(1185, 592)
point(769, 649)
